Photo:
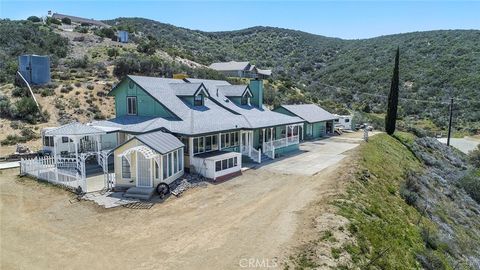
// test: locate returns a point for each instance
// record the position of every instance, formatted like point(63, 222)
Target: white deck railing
point(255, 155)
point(44, 168)
point(270, 147)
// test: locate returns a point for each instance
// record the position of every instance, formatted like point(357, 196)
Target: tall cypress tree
point(391, 117)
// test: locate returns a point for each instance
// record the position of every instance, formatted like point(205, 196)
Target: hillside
point(434, 65)
point(411, 203)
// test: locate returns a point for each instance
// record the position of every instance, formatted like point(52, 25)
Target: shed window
point(157, 169)
point(48, 141)
point(228, 163)
point(132, 105)
point(198, 100)
point(347, 120)
point(126, 168)
point(245, 100)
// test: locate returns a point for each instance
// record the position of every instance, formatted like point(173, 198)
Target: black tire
point(163, 189)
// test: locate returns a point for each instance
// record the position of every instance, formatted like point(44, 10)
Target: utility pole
point(450, 122)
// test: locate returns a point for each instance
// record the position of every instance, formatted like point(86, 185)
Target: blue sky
point(344, 19)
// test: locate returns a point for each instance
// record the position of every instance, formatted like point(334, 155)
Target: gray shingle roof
point(74, 129)
point(310, 112)
point(185, 89)
point(229, 66)
point(266, 72)
point(232, 90)
point(160, 141)
point(217, 114)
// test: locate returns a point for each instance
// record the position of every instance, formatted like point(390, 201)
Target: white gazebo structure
point(71, 145)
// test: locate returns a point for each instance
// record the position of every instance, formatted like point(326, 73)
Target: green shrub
point(66, 21)
point(47, 92)
point(34, 19)
point(5, 107)
point(19, 92)
point(471, 184)
point(90, 87)
point(78, 84)
point(105, 32)
point(26, 109)
point(474, 157)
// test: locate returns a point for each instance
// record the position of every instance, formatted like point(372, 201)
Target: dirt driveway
point(223, 226)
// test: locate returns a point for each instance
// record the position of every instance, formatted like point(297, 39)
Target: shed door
point(143, 171)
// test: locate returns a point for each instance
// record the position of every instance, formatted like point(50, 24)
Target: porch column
point(99, 143)
point(219, 142)
point(263, 136)
point(240, 140)
point(55, 157)
point(271, 137)
point(250, 142)
point(75, 142)
point(190, 150)
point(160, 168)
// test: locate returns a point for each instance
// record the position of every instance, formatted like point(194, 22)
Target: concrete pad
point(313, 156)
point(95, 183)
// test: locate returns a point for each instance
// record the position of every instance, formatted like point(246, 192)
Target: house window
point(205, 144)
point(228, 163)
point(175, 162)
point(48, 141)
point(198, 100)
point(245, 100)
point(165, 166)
point(132, 105)
point(170, 164)
point(65, 140)
point(126, 168)
point(347, 120)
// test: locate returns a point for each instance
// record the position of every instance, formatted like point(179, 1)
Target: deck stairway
point(142, 193)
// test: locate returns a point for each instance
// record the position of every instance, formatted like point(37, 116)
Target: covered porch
point(280, 139)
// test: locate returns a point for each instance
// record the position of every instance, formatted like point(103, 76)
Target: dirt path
point(255, 216)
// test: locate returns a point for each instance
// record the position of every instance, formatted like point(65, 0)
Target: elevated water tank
point(35, 68)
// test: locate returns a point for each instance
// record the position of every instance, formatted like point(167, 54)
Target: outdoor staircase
point(141, 193)
point(265, 158)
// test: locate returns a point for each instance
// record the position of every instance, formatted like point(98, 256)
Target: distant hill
point(434, 65)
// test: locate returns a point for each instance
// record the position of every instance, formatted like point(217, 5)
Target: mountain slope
point(434, 65)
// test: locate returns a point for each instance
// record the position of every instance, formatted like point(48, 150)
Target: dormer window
point(198, 100)
point(245, 100)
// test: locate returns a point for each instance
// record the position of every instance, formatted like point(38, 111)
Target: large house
point(164, 127)
point(241, 70)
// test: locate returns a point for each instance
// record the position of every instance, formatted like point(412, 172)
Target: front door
point(144, 175)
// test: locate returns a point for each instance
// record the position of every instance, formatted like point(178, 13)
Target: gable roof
point(309, 112)
point(217, 114)
point(234, 90)
point(160, 141)
point(75, 129)
point(229, 66)
point(188, 89)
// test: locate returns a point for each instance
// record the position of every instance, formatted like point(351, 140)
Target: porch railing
point(44, 168)
point(255, 155)
point(270, 147)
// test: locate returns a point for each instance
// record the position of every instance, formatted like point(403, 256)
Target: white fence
point(44, 168)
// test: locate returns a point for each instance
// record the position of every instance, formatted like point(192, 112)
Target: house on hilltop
point(241, 70)
point(165, 127)
point(79, 20)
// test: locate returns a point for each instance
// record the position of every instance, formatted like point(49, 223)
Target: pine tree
point(391, 117)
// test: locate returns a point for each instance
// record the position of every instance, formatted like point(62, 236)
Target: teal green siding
point(285, 150)
point(318, 130)
point(236, 100)
point(256, 86)
point(146, 105)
